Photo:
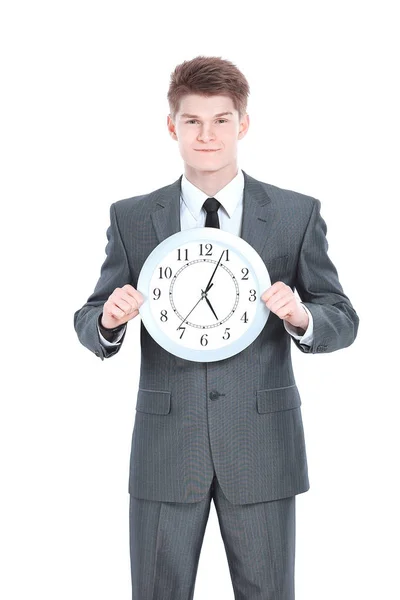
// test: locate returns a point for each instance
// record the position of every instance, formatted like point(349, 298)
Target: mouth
point(208, 150)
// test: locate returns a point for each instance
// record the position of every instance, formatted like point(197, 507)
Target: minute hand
point(203, 295)
point(208, 285)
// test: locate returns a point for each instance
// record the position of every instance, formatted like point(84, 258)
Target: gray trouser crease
point(166, 540)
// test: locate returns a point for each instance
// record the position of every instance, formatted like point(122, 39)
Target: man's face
point(208, 137)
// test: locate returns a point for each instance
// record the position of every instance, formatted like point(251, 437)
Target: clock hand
point(202, 296)
point(208, 285)
point(209, 304)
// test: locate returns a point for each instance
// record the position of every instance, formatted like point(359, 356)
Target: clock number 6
point(204, 337)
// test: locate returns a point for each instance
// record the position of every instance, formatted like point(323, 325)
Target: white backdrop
point(83, 124)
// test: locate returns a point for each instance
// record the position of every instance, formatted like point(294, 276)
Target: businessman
point(229, 430)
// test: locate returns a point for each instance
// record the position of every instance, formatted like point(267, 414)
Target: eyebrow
point(186, 115)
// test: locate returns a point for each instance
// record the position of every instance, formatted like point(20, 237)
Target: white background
point(83, 124)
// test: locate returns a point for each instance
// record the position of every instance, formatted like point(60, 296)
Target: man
point(230, 430)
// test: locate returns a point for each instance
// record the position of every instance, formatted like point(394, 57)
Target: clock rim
point(204, 234)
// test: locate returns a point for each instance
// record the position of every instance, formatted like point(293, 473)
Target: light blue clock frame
point(251, 259)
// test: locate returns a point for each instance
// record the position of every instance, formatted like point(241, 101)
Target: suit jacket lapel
point(259, 216)
point(166, 212)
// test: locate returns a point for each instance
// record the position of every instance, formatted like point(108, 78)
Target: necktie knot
point(211, 206)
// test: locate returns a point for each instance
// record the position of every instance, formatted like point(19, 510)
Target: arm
point(335, 322)
point(115, 272)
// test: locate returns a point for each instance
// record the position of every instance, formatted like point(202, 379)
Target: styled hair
point(208, 76)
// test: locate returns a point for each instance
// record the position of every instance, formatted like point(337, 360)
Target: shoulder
point(140, 206)
point(286, 198)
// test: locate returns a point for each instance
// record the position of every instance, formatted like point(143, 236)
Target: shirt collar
point(229, 196)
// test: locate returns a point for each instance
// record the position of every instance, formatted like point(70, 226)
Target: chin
point(206, 164)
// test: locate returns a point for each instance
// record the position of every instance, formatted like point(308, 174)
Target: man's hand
point(121, 306)
point(281, 300)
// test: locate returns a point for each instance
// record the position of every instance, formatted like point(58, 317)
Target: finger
point(126, 304)
point(286, 310)
point(116, 312)
point(133, 293)
point(278, 285)
point(279, 294)
point(113, 310)
point(280, 300)
point(121, 296)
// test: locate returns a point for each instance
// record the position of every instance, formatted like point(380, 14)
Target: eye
point(195, 121)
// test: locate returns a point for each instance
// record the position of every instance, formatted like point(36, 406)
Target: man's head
point(207, 97)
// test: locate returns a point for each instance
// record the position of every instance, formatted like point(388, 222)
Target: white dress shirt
point(192, 214)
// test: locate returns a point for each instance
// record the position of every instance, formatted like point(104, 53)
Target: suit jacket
point(240, 417)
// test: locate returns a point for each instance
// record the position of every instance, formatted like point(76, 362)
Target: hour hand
point(209, 303)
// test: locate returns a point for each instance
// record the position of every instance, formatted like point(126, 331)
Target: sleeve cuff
point(307, 337)
point(116, 336)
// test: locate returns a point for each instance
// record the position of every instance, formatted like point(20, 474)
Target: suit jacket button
point(214, 395)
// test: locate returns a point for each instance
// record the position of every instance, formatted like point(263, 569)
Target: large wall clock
point(202, 292)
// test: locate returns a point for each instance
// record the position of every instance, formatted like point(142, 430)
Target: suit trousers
point(166, 539)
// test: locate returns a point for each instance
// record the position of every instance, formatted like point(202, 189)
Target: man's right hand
point(121, 306)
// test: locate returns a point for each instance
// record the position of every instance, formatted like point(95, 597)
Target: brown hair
point(208, 76)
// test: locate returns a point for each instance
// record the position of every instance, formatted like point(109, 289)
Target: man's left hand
point(281, 300)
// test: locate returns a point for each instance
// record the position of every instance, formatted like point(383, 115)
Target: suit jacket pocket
point(156, 402)
point(276, 264)
point(277, 399)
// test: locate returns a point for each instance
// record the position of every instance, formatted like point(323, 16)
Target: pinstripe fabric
point(252, 434)
point(166, 540)
point(230, 430)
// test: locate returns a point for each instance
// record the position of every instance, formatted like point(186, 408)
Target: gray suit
point(234, 423)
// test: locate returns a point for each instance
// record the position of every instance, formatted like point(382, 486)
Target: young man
point(229, 430)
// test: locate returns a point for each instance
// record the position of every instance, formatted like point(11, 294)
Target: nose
point(206, 134)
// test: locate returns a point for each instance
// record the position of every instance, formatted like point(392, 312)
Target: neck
point(210, 182)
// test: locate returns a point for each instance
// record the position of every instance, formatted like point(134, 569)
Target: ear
point(171, 128)
point(244, 126)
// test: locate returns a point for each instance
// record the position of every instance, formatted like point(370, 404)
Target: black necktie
point(212, 205)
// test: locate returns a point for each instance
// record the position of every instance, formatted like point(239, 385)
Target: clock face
point(202, 292)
